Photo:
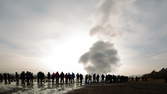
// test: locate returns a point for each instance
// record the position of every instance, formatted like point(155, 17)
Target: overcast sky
point(51, 35)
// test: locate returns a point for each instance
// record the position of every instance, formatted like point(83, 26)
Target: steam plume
point(102, 56)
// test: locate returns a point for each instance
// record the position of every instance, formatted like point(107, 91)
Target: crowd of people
point(28, 78)
point(96, 78)
point(61, 78)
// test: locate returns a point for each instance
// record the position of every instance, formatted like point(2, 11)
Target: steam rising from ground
point(108, 23)
point(101, 58)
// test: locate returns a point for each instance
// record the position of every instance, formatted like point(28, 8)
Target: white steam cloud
point(102, 56)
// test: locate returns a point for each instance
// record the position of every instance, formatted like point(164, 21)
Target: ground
point(149, 87)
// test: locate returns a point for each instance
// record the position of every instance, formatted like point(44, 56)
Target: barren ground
point(149, 87)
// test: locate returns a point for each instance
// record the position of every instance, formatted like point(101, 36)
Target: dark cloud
point(101, 58)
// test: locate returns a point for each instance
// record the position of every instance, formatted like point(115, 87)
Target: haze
point(52, 35)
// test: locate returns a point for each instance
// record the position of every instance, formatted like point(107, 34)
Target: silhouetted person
point(22, 77)
point(28, 77)
point(89, 78)
point(40, 77)
point(102, 77)
point(77, 75)
point(5, 77)
point(110, 78)
point(132, 78)
point(69, 78)
point(9, 78)
point(1, 78)
point(48, 76)
point(57, 77)
point(81, 78)
point(94, 78)
point(17, 78)
point(86, 78)
point(97, 78)
point(73, 77)
point(66, 78)
point(53, 77)
point(136, 79)
point(31, 78)
point(62, 77)
point(107, 78)
point(114, 79)
point(126, 78)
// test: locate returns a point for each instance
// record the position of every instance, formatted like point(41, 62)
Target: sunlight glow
point(64, 56)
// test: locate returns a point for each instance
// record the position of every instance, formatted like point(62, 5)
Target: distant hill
point(162, 74)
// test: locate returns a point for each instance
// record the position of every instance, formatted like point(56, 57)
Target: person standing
point(17, 78)
point(62, 77)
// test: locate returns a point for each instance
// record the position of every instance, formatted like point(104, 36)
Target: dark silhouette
point(17, 78)
point(137, 79)
point(29, 77)
point(53, 77)
point(77, 75)
point(94, 78)
point(48, 76)
point(68, 78)
point(89, 78)
point(9, 78)
point(81, 78)
point(86, 79)
point(57, 77)
point(162, 74)
point(62, 77)
point(40, 77)
point(1, 78)
point(73, 77)
point(102, 78)
point(97, 78)
point(22, 77)
point(5, 77)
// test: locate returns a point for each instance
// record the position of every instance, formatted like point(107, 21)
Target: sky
point(66, 35)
